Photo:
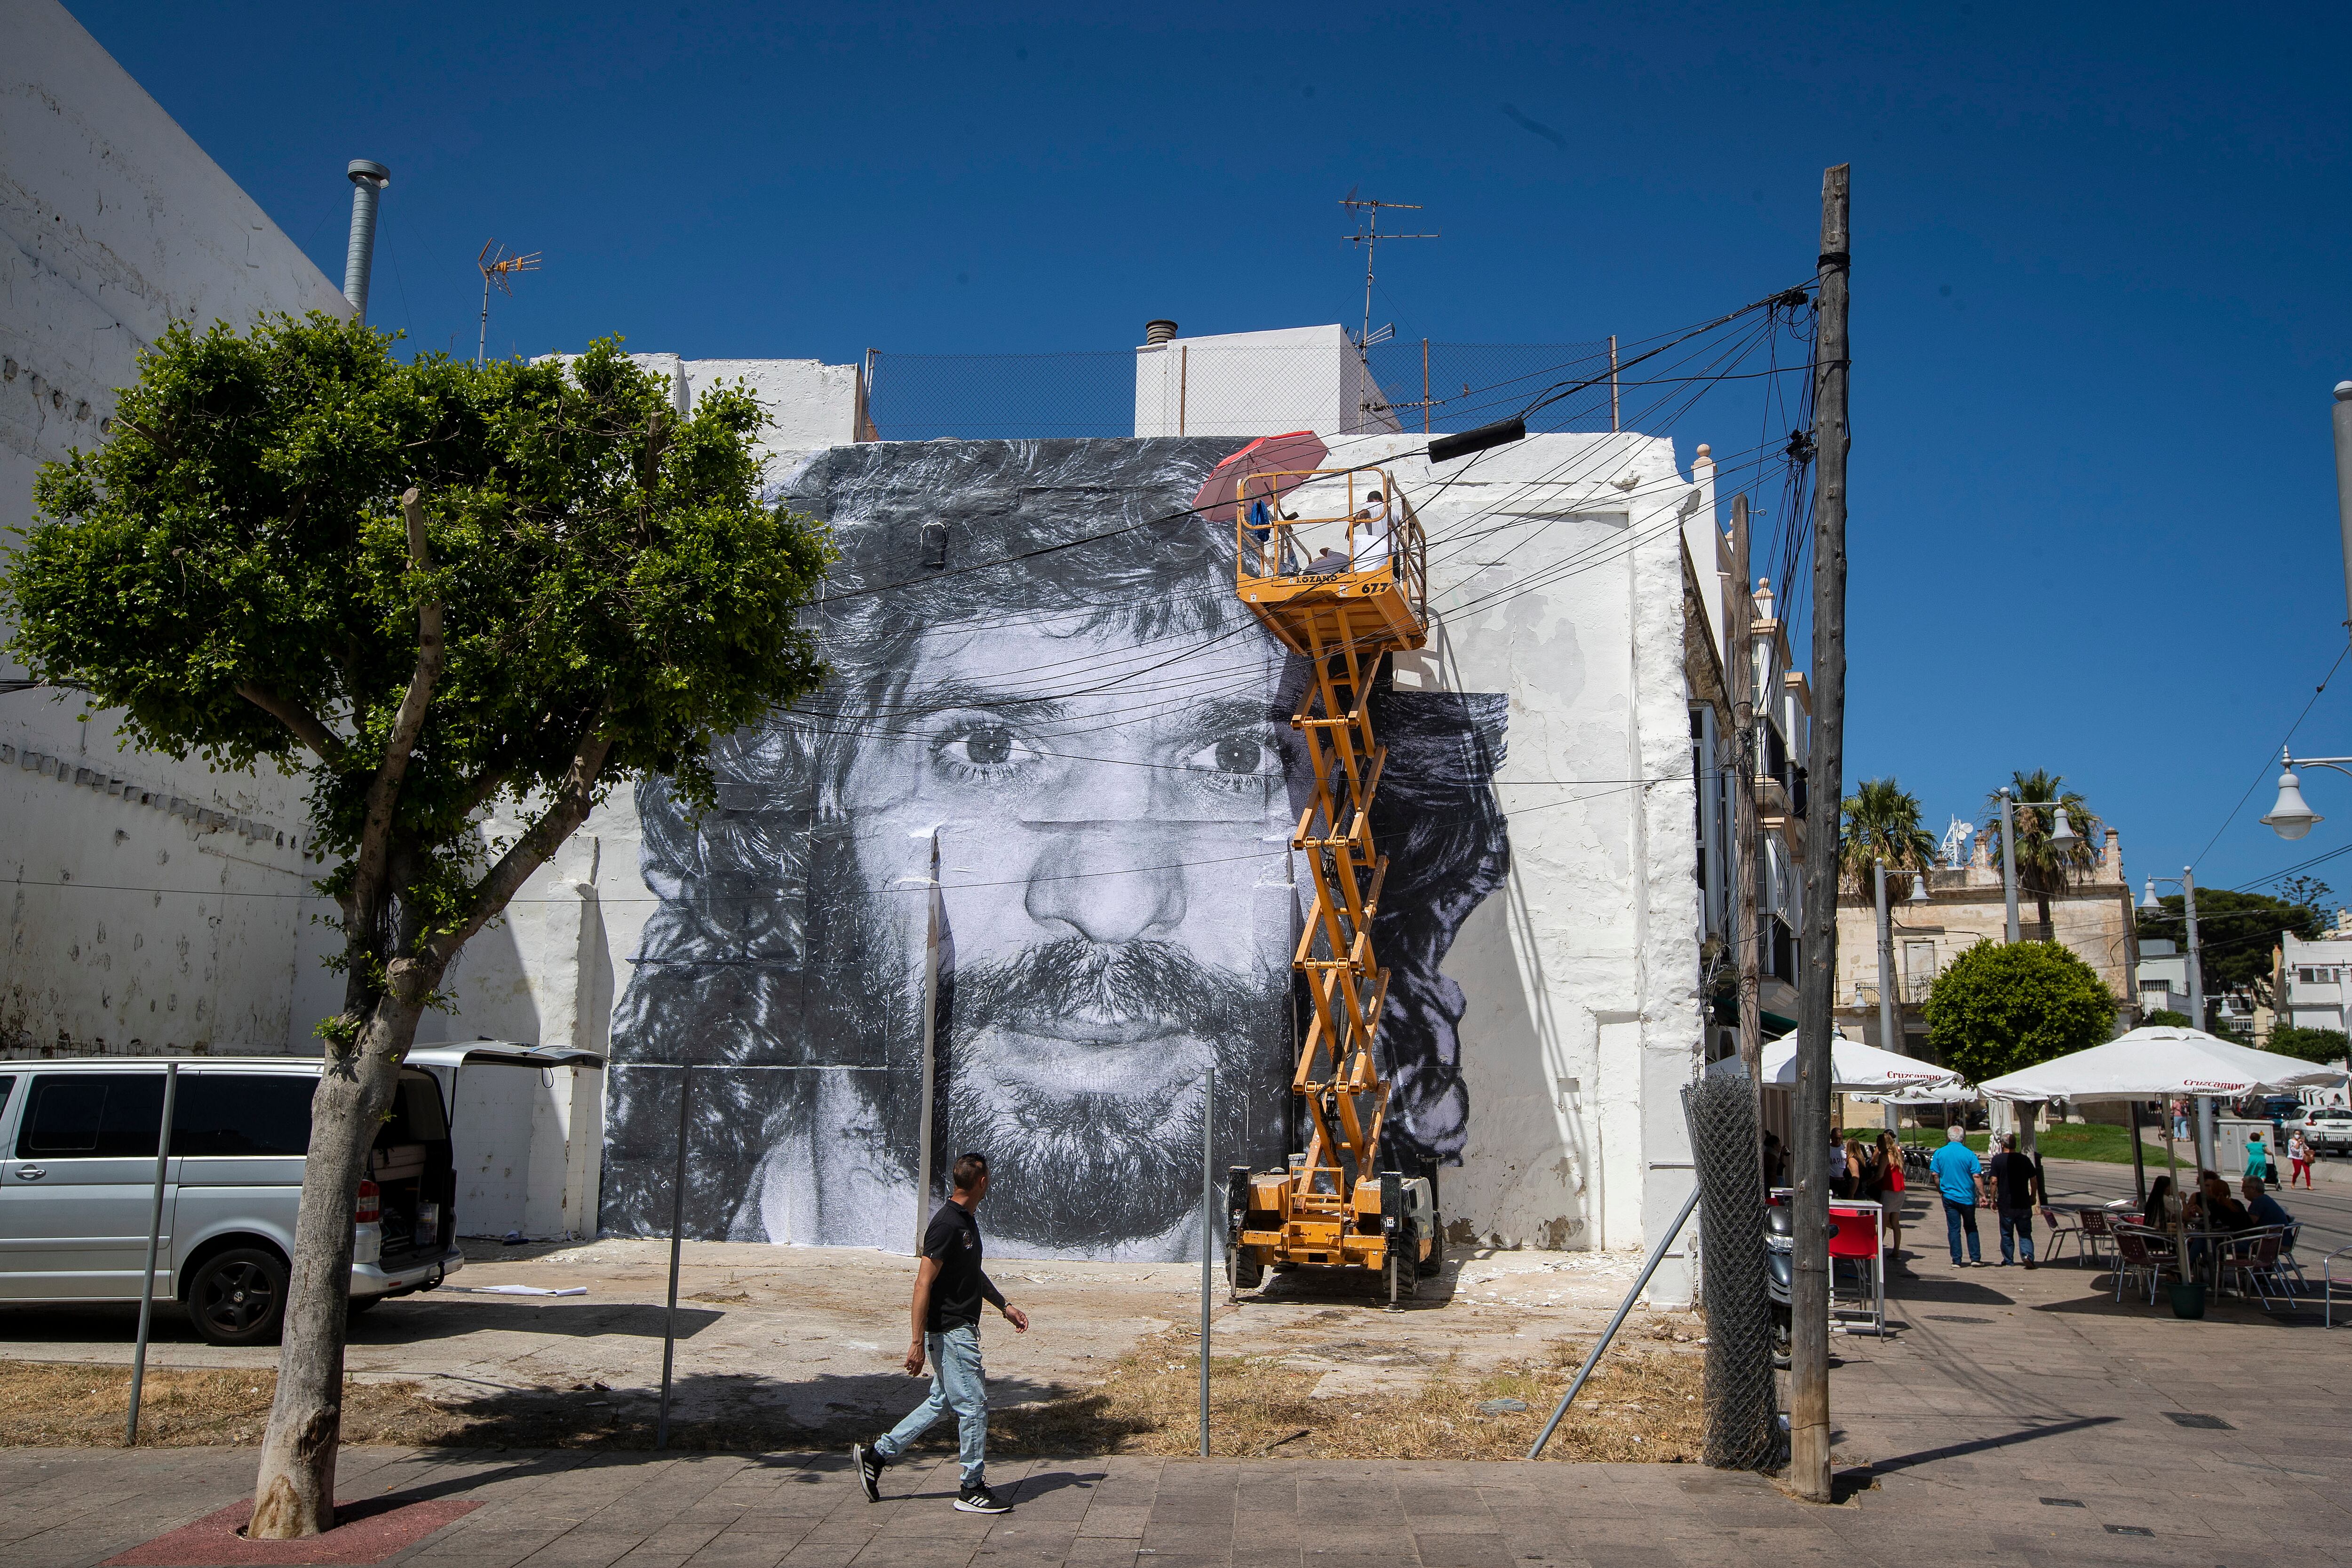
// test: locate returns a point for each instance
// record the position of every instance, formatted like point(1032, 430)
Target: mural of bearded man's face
point(1112, 818)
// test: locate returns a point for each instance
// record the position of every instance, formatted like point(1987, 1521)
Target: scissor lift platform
point(1348, 1201)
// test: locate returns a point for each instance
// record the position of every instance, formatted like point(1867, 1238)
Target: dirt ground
point(802, 1342)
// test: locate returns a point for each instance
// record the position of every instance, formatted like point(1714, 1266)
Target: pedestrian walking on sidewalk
point(2298, 1156)
point(2016, 1192)
point(1958, 1176)
point(949, 1286)
point(2258, 1159)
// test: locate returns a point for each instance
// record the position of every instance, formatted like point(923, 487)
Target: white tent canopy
point(1953, 1093)
point(1854, 1068)
point(2160, 1061)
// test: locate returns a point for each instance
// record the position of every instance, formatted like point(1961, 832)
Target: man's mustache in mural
point(1100, 1142)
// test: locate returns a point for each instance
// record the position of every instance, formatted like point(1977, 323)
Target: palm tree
point(2045, 868)
point(1882, 823)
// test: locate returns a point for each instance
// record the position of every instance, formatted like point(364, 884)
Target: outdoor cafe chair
point(2062, 1231)
point(2098, 1232)
point(2139, 1250)
point(2252, 1257)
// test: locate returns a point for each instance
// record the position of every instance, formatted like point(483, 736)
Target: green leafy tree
point(2171, 1019)
point(1999, 1007)
point(430, 586)
point(2238, 936)
point(2045, 868)
point(1881, 821)
point(2310, 1045)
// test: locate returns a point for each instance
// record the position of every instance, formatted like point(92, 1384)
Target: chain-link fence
point(1742, 1429)
point(1225, 388)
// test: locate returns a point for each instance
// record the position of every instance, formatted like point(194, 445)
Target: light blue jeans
point(958, 1383)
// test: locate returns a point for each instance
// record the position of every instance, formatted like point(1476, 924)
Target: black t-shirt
point(2012, 1177)
point(953, 1240)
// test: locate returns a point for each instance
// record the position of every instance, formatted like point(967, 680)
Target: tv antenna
point(1368, 234)
point(501, 269)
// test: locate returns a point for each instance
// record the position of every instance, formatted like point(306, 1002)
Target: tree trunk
point(294, 1495)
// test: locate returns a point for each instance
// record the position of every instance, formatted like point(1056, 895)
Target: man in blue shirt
point(2261, 1207)
point(1957, 1173)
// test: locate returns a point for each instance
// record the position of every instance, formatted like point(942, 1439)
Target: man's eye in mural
point(981, 749)
point(1236, 763)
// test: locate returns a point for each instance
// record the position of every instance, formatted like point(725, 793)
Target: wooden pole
point(1613, 422)
point(1208, 1236)
point(1809, 1377)
point(1745, 930)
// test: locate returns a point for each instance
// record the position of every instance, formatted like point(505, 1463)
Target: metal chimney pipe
point(368, 180)
point(1159, 331)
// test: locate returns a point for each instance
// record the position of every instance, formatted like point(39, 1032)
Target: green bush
point(2000, 1008)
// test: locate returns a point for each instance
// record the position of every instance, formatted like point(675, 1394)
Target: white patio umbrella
point(2161, 1061)
point(1854, 1068)
point(1926, 1094)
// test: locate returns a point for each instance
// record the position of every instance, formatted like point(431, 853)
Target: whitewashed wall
point(153, 905)
point(1580, 974)
point(1257, 383)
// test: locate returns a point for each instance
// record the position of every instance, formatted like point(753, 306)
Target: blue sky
point(2100, 279)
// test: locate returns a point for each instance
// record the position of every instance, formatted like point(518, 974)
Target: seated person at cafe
point(2213, 1208)
point(2156, 1214)
point(2261, 1207)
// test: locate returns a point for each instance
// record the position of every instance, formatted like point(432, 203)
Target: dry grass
point(1640, 1406)
point(1643, 1405)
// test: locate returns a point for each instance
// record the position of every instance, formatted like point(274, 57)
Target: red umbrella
point(1299, 452)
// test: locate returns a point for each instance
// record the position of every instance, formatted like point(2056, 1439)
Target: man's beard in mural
point(1080, 1071)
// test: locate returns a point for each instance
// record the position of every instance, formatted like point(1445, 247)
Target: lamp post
point(1889, 1036)
point(2291, 818)
point(2149, 906)
point(2062, 834)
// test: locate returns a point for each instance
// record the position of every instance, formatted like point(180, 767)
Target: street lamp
point(2061, 834)
point(2149, 906)
point(2291, 818)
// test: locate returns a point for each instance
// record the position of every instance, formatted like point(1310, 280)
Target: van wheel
point(239, 1297)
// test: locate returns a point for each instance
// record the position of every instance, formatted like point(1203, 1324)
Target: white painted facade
point(1258, 384)
point(153, 904)
point(2317, 979)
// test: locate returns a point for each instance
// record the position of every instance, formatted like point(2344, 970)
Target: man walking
point(2016, 1191)
point(1957, 1171)
point(948, 1290)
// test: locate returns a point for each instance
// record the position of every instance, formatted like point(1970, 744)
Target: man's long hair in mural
point(1048, 702)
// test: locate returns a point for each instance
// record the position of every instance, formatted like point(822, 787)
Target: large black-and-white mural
point(1051, 788)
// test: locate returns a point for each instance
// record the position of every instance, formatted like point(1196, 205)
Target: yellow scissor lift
point(1335, 1206)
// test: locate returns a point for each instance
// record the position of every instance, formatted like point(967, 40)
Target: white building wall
point(1258, 384)
point(153, 904)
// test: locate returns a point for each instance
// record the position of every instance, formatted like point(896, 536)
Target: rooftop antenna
point(1368, 234)
point(501, 268)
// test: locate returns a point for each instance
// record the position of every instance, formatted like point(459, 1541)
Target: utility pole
point(1889, 1037)
point(1746, 932)
point(2205, 1128)
point(2343, 493)
point(2009, 865)
point(1809, 1285)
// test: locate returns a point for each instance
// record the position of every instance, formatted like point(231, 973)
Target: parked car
point(78, 1144)
point(2326, 1128)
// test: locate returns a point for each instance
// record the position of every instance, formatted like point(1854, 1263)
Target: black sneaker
point(980, 1500)
point(870, 1469)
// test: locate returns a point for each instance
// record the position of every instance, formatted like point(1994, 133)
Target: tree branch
point(384, 794)
point(500, 884)
point(305, 724)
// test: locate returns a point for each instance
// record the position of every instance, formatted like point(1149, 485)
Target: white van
point(77, 1143)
